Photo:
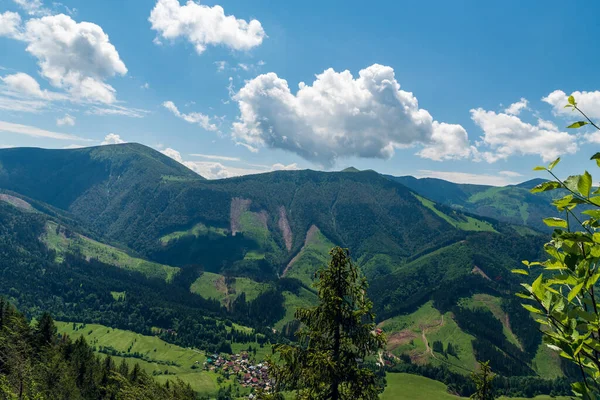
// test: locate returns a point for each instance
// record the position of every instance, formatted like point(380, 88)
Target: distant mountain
point(512, 204)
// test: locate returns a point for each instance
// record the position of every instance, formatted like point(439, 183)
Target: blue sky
point(468, 91)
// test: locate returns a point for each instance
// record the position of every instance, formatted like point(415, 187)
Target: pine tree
point(483, 382)
point(334, 339)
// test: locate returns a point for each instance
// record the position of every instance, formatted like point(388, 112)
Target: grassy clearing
point(210, 286)
point(196, 231)
point(464, 223)
point(414, 387)
point(215, 286)
point(56, 238)
point(494, 304)
point(159, 352)
point(118, 296)
point(305, 298)
point(547, 363)
point(405, 336)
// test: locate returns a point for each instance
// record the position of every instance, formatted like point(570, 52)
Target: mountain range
point(192, 254)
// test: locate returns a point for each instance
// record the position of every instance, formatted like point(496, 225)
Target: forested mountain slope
point(135, 195)
point(512, 204)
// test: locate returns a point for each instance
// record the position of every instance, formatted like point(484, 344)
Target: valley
point(159, 266)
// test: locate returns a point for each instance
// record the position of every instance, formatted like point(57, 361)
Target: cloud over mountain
point(340, 116)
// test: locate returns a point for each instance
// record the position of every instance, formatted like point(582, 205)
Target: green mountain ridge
point(513, 204)
point(152, 244)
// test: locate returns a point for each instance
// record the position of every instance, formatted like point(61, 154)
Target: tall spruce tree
point(483, 382)
point(335, 337)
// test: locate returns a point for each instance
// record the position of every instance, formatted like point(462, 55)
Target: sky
point(467, 91)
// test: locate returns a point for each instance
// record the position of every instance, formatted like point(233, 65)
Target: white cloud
point(215, 157)
point(465, 177)
point(73, 146)
point(243, 66)
point(6, 146)
point(66, 120)
point(33, 7)
point(339, 116)
point(217, 170)
point(516, 108)
point(35, 132)
point(448, 142)
point(76, 57)
point(593, 137)
point(204, 26)
point(145, 86)
point(10, 24)
point(117, 110)
point(588, 102)
point(112, 138)
point(12, 104)
point(283, 167)
point(510, 174)
point(507, 135)
point(193, 118)
point(21, 84)
point(221, 65)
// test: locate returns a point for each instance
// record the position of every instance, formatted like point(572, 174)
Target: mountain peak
point(351, 169)
point(530, 184)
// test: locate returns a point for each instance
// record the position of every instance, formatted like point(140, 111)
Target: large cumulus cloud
point(340, 116)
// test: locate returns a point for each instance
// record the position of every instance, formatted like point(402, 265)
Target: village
point(240, 366)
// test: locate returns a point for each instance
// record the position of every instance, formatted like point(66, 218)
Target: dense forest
point(35, 363)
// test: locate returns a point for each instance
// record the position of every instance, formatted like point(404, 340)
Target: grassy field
point(466, 224)
point(157, 353)
point(406, 333)
point(414, 387)
point(214, 286)
point(494, 305)
point(313, 255)
point(197, 231)
point(56, 239)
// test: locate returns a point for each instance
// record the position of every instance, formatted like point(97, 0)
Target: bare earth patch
point(309, 236)
point(399, 338)
point(238, 207)
point(479, 271)
point(284, 226)
point(17, 202)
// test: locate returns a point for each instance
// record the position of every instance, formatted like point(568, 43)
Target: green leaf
point(585, 184)
point(575, 291)
point(537, 285)
point(553, 164)
point(597, 158)
point(555, 222)
point(572, 183)
point(532, 309)
point(524, 296)
point(577, 124)
point(539, 168)
point(571, 100)
point(592, 213)
point(520, 271)
point(545, 187)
